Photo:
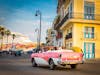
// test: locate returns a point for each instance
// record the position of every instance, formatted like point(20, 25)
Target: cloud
point(31, 35)
point(28, 27)
point(25, 22)
point(44, 23)
point(48, 16)
point(20, 17)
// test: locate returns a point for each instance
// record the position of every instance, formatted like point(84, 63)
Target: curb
point(92, 61)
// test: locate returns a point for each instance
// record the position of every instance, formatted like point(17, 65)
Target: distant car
point(0, 52)
point(57, 58)
point(5, 52)
point(16, 52)
point(30, 52)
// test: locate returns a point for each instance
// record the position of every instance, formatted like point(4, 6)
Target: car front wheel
point(34, 63)
point(52, 65)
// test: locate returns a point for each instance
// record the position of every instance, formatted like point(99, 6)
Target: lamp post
point(37, 30)
point(38, 13)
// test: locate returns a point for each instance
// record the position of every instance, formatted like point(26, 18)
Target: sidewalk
point(92, 61)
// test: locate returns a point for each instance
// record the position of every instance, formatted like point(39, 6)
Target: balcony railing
point(68, 36)
point(59, 35)
point(77, 16)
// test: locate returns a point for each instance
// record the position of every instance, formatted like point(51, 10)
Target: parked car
point(5, 52)
point(29, 52)
point(56, 58)
point(33, 51)
point(0, 52)
point(16, 52)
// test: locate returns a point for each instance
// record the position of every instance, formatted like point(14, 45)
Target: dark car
point(5, 52)
point(16, 52)
point(0, 52)
point(30, 52)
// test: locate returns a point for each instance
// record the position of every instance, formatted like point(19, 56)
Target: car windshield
point(64, 50)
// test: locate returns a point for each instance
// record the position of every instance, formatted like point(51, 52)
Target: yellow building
point(79, 21)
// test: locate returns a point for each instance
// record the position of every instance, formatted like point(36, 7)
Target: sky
point(19, 16)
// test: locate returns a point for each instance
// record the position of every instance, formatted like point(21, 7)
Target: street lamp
point(37, 30)
point(38, 13)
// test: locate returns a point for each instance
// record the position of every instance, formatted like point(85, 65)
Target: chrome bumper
point(70, 62)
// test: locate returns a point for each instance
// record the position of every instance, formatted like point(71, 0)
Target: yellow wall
point(97, 31)
point(78, 27)
point(78, 8)
point(97, 9)
point(64, 35)
point(78, 37)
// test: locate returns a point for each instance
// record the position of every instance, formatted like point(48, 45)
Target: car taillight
point(81, 55)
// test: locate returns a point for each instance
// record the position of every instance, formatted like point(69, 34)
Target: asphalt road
point(21, 65)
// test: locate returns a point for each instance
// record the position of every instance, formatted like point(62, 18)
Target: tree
point(13, 36)
point(7, 32)
point(2, 33)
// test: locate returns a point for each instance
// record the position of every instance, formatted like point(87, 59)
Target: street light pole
point(38, 13)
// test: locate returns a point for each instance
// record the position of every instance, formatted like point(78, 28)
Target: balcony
point(68, 36)
point(77, 16)
point(59, 35)
point(57, 26)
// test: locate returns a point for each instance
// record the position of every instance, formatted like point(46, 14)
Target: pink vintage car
point(57, 58)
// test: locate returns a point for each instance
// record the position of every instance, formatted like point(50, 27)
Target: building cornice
point(80, 21)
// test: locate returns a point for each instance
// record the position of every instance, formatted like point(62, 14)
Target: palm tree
point(2, 32)
point(13, 36)
point(7, 32)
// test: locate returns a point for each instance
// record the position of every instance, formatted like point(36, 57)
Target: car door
point(41, 58)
